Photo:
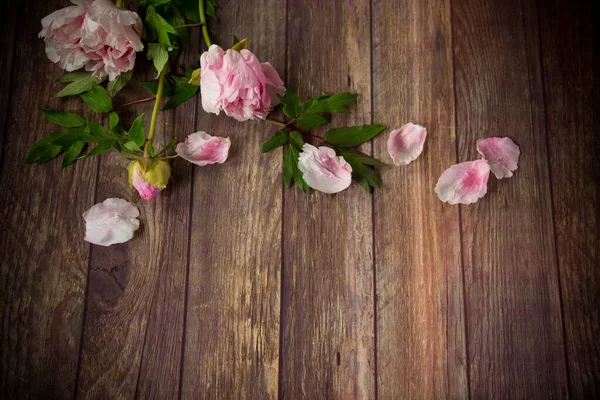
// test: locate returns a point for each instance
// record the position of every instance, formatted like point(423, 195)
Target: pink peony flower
point(110, 222)
point(463, 183)
point(501, 153)
point(202, 149)
point(93, 34)
point(237, 83)
point(323, 171)
point(149, 177)
point(406, 144)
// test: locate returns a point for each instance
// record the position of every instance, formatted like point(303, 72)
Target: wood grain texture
point(514, 331)
point(232, 330)
point(135, 311)
point(8, 34)
point(43, 259)
point(421, 351)
point(327, 296)
point(567, 48)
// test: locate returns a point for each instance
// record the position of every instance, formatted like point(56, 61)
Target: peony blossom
point(463, 183)
point(93, 34)
point(323, 171)
point(149, 177)
point(110, 222)
point(237, 83)
point(406, 144)
point(202, 149)
point(501, 153)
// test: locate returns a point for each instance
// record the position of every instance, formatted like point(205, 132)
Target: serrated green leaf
point(167, 146)
point(296, 139)
point(118, 83)
point(277, 140)
point(309, 121)
point(292, 104)
point(136, 133)
point(330, 104)
point(362, 157)
point(353, 135)
point(79, 82)
point(71, 153)
point(97, 99)
point(65, 119)
point(159, 56)
point(289, 165)
point(241, 45)
point(183, 95)
point(132, 146)
point(98, 149)
point(113, 121)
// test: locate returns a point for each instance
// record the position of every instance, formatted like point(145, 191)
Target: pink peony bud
point(406, 144)
point(237, 83)
point(93, 34)
point(202, 149)
point(463, 183)
point(323, 171)
point(149, 177)
point(501, 153)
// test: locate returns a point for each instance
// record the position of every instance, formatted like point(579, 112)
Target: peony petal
point(202, 149)
point(501, 153)
point(406, 144)
point(463, 183)
point(323, 170)
point(110, 222)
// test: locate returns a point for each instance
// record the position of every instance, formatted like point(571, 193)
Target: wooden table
point(235, 288)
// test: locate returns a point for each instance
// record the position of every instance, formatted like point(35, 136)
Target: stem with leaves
point(203, 22)
point(159, 93)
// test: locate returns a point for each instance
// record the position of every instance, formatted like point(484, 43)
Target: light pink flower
point(237, 83)
point(406, 144)
point(202, 149)
point(501, 153)
point(110, 222)
point(149, 177)
point(463, 183)
point(323, 171)
point(93, 34)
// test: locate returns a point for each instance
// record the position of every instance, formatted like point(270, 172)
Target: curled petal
point(110, 222)
point(202, 149)
point(463, 183)
point(406, 144)
point(323, 170)
point(501, 153)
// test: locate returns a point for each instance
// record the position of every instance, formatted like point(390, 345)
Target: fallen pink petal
point(406, 144)
point(324, 171)
point(202, 149)
point(110, 222)
point(463, 183)
point(501, 153)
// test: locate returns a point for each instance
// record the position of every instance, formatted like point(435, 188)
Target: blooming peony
point(93, 34)
point(237, 83)
point(501, 153)
point(149, 177)
point(110, 222)
point(322, 170)
point(406, 144)
point(463, 183)
point(202, 149)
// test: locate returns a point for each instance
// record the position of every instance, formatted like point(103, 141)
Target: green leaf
point(71, 154)
point(97, 130)
point(98, 149)
point(240, 45)
point(167, 146)
point(152, 87)
point(177, 19)
point(65, 119)
point(210, 6)
point(136, 133)
point(189, 8)
point(330, 104)
point(119, 83)
point(278, 139)
point(113, 121)
point(362, 157)
point(365, 185)
point(79, 82)
point(361, 171)
point(132, 146)
point(42, 145)
point(289, 165)
point(151, 150)
point(47, 153)
point(180, 97)
point(309, 121)
point(352, 136)
point(298, 177)
point(159, 56)
point(160, 26)
point(235, 40)
point(195, 78)
point(97, 99)
point(296, 139)
point(292, 103)
point(75, 135)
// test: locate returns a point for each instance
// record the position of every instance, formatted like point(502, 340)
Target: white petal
point(110, 222)
point(406, 144)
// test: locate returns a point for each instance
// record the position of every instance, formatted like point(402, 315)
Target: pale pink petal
point(406, 144)
point(463, 183)
point(202, 149)
point(110, 222)
point(501, 153)
point(322, 170)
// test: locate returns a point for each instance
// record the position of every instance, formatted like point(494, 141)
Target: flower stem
point(159, 92)
point(188, 25)
point(203, 22)
point(284, 125)
point(274, 122)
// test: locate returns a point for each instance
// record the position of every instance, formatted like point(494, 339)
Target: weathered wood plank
point(567, 48)
point(513, 316)
point(43, 258)
point(8, 33)
point(421, 349)
point(232, 329)
point(327, 296)
point(135, 312)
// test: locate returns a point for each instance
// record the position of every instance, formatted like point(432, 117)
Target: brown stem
point(134, 102)
point(274, 122)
